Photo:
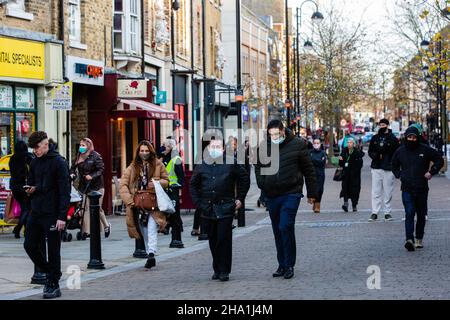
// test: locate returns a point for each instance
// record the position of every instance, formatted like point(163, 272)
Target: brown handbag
point(145, 200)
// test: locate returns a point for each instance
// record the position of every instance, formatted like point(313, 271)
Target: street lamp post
point(175, 7)
point(316, 17)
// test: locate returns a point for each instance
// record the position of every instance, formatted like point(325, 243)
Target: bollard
point(96, 249)
point(241, 216)
point(39, 276)
point(139, 251)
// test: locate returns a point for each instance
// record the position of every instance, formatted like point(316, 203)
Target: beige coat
point(128, 187)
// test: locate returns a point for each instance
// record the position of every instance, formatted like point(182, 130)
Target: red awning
point(142, 109)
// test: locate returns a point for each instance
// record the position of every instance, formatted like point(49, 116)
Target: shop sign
point(161, 97)
point(61, 97)
point(85, 71)
point(22, 59)
point(131, 88)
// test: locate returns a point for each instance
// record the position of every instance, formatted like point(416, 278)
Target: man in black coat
point(283, 188)
point(381, 149)
point(49, 189)
point(411, 164)
point(212, 189)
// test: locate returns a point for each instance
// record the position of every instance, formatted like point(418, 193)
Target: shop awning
point(127, 108)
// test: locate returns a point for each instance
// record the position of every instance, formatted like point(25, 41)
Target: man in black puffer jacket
point(49, 188)
point(212, 189)
point(381, 149)
point(284, 189)
point(411, 164)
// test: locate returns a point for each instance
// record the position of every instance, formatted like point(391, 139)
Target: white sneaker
point(419, 244)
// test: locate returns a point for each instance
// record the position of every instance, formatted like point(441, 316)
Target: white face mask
point(316, 146)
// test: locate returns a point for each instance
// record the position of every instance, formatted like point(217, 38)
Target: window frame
point(130, 37)
point(76, 20)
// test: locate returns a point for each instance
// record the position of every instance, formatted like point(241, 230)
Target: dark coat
point(381, 150)
point(351, 182)
point(93, 166)
point(19, 165)
point(410, 166)
point(319, 159)
point(295, 165)
point(50, 175)
point(213, 186)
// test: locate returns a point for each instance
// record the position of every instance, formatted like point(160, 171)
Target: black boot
point(52, 290)
point(151, 261)
point(16, 231)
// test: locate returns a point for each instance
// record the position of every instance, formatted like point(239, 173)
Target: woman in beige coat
point(138, 176)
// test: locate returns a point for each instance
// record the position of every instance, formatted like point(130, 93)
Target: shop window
point(6, 133)
point(24, 98)
point(24, 126)
point(6, 97)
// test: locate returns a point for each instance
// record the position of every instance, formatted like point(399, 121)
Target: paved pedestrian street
point(339, 256)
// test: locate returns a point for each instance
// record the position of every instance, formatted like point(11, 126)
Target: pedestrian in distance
point(142, 223)
point(19, 167)
point(213, 191)
point(319, 159)
point(88, 169)
point(351, 160)
point(283, 189)
point(49, 190)
point(174, 166)
point(411, 164)
point(381, 149)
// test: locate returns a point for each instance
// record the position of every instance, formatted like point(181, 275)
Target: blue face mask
point(215, 153)
point(82, 149)
point(279, 140)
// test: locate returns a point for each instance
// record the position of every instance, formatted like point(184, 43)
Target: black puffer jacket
point(213, 184)
point(411, 165)
point(381, 149)
point(295, 165)
point(50, 175)
point(92, 166)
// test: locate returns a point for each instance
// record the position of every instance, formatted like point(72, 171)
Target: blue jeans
point(415, 203)
point(282, 211)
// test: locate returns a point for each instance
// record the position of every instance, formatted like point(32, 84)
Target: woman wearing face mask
point(319, 159)
point(351, 160)
point(138, 176)
point(89, 168)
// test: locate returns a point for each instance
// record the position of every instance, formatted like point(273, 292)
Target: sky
point(374, 15)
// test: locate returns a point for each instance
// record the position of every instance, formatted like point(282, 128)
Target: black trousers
point(220, 243)
point(175, 218)
point(37, 230)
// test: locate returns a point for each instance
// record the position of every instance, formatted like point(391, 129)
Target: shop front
point(120, 116)
point(25, 72)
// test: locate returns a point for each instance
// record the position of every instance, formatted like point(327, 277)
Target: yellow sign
point(22, 59)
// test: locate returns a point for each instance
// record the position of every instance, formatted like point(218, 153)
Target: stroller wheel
point(69, 237)
point(79, 235)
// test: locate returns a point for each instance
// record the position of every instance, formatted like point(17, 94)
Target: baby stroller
point(75, 216)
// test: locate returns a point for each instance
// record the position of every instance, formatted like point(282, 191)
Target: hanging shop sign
point(85, 71)
point(22, 59)
point(245, 113)
point(131, 88)
point(161, 97)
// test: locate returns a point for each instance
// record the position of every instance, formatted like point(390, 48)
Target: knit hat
point(418, 127)
point(385, 121)
point(411, 131)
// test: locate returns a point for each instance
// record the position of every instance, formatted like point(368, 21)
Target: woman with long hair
point(138, 176)
point(89, 168)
